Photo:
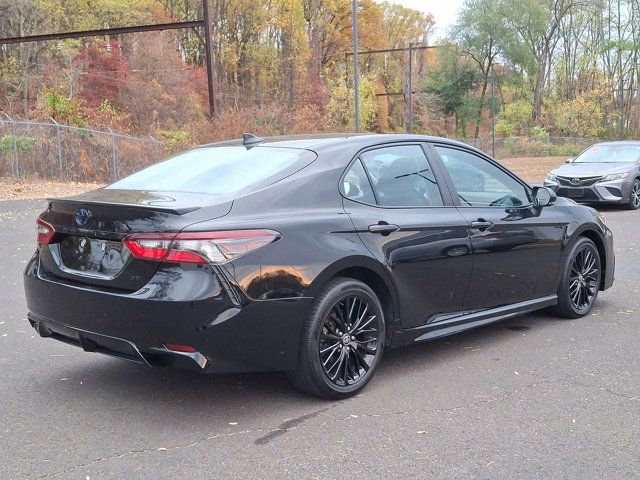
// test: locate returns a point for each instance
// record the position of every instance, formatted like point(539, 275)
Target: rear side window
point(219, 170)
point(402, 177)
point(356, 185)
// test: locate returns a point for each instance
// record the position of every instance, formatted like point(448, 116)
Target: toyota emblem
point(83, 216)
point(575, 181)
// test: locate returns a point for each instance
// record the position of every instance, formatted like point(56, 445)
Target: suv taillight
point(197, 247)
point(44, 232)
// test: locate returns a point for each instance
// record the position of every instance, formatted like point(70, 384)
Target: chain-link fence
point(54, 151)
point(508, 147)
point(51, 150)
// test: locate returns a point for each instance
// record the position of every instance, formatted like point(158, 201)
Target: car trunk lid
point(88, 249)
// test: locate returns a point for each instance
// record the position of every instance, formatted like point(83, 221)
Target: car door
point(516, 246)
point(405, 216)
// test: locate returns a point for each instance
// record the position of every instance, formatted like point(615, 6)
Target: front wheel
point(342, 341)
point(580, 280)
point(634, 196)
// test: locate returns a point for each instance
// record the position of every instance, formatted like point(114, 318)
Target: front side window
point(479, 182)
point(402, 177)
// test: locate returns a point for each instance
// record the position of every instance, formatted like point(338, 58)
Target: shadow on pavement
point(106, 382)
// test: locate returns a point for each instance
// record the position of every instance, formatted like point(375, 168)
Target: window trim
point(454, 190)
point(435, 165)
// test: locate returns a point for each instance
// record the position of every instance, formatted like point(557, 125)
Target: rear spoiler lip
point(144, 206)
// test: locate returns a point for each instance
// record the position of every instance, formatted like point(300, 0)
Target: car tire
point(344, 331)
point(580, 280)
point(634, 195)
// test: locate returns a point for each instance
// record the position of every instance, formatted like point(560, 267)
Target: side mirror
point(569, 160)
point(543, 197)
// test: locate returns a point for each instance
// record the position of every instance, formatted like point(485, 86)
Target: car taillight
point(44, 232)
point(197, 247)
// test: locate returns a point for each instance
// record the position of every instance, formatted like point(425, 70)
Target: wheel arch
point(372, 274)
point(595, 237)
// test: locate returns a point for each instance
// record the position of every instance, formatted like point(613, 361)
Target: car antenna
point(249, 139)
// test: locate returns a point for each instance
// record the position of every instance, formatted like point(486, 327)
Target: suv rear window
point(219, 170)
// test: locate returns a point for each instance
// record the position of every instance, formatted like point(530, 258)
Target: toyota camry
point(606, 172)
point(308, 255)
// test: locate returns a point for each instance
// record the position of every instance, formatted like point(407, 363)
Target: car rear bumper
point(232, 332)
point(118, 347)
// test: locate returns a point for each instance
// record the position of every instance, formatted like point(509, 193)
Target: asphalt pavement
point(530, 397)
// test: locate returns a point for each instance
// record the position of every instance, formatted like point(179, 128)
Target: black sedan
point(308, 255)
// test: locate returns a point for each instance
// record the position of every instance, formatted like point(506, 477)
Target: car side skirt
point(468, 321)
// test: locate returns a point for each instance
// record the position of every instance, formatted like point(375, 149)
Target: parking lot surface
point(530, 397)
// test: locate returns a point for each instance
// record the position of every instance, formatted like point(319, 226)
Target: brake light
point(197, 247)
point(44, 232)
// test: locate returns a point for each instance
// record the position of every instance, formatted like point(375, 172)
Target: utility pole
point(493, 112)
point(410, 85)
point(620, 72)
point(206, 18)
point(356, 74)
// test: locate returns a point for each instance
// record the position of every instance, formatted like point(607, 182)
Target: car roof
point(319, 142)
point(620, 142)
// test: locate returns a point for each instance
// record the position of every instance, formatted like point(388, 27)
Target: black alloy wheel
point(634, 196)
point(581, 280)
point(584, 279)
point(342, 342)
point(348, 342)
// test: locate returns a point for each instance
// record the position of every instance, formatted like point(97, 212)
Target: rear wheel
point(580, 281)
point(342, 341)
point(634, 197)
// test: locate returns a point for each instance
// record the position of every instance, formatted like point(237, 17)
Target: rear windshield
point(610, 154)
point(219, 170)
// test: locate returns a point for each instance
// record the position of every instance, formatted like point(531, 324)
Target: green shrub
point(22, 144)
point(175, 140)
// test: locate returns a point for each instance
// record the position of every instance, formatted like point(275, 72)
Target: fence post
point(114, 160)
point(157, 146)
point(15, 164)
point(59, 149)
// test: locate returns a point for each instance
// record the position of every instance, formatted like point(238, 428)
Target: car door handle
point(383, 228)
point(481, 224)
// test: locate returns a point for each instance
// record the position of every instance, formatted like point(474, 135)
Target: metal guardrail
point(66, 152)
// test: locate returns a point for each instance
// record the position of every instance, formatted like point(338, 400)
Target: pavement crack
point(286, 426)
point(270, 434)
point(599, 388)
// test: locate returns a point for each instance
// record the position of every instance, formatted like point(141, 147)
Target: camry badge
point(82, 217)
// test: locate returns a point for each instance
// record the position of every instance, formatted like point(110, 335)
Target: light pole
point(356, 74)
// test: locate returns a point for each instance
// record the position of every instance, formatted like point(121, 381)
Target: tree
point(537, 23)
point(482, 33)
point(451, 83)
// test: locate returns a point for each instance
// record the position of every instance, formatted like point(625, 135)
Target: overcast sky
point(444, 11)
